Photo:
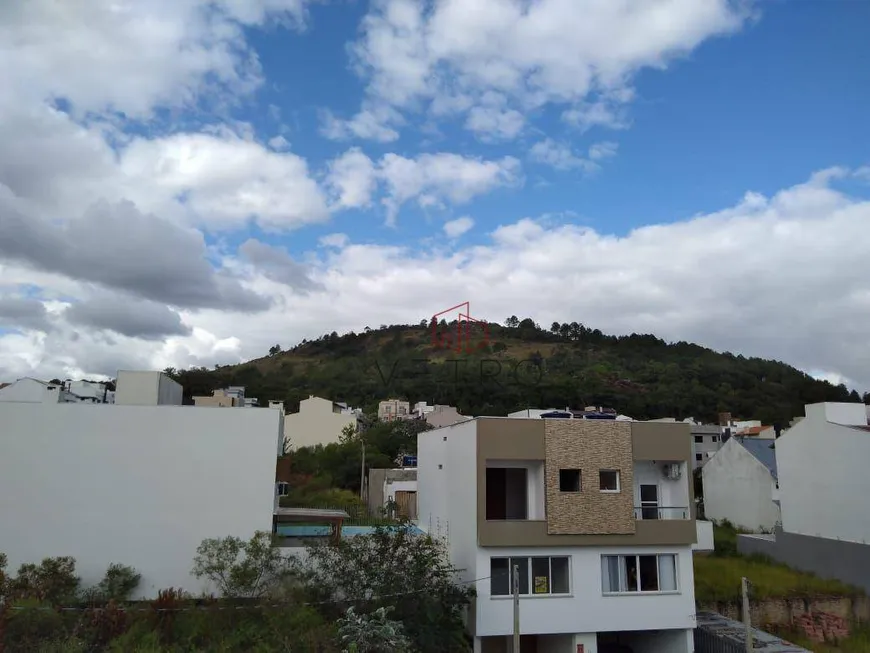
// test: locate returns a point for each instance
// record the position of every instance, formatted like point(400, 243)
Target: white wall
point(737, 487)
point(586, 609)
point(704, 531)
point(673, 493)
point(823, 479)
point(147, 388)
point(30, 390)
point(137, 485)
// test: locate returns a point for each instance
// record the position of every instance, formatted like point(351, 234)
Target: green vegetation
point(857, 642)
point(373, 594)
point(717, 576)
point(524, 365)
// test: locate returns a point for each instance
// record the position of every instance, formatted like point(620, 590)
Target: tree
point(394, 568)
point(372, 633)
point(239, 569)
point(512, 322)
point(275, 349)
point(53, 580)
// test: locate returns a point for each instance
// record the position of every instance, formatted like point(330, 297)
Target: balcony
point(647, 513)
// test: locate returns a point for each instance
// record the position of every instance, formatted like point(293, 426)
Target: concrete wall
point(147, 388)
point(316, 423)
point(823, 479)
point(737, 487)
point(586, 609)
point(828, 558)
point(137, 485)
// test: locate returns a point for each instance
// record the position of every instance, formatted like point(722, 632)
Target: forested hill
point(521, 366)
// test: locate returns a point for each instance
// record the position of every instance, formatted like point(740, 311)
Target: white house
point(595, 515)
point(823, 489)
point(133, 484)
point(35, 391)
point(740, 484)
point(147, 388)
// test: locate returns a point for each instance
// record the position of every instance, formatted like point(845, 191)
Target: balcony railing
point(661, 512)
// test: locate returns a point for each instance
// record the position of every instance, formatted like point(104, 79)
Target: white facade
point(34, 391)
point(91, 392)
point(823, 479)
point(136, 485)
point(319, 421)
point(447, 490)
point(739, 488)
point(147, 389)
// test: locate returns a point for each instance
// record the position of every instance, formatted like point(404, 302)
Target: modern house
point(740, 484)
point(141, 485)
point(706, 442)
point(391, 409)
point(438, 415)
point(823, 488)
point(595, 516)
point(319, 421)
point(231, 397)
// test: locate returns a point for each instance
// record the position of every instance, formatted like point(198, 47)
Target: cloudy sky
point(188, 182)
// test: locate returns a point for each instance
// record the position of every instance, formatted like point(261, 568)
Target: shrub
point(241, 569)
point(30, 623)
point(372, 633)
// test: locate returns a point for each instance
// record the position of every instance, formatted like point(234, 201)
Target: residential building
point(231, 397)
point(391, 409)
point(438, 415)
point(393, 487)
point(93, 392)
point(596, 515)
point(319, 421)
point(135, 388)
point(589, 412)
point(706, 441)
point(142, 485)
point(34, 391)
point(823, 487)
point(740, 484)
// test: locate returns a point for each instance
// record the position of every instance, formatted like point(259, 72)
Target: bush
point(30, 623)
point(372, 633)
point(118, 584)
point(240, 569)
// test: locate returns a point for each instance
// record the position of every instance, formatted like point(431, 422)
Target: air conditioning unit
point(672, 471)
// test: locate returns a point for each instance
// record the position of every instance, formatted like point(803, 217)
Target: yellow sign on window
point(541, 585)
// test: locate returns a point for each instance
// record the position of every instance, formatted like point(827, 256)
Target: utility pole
point(516, 584)
point(744, 590)
point(362, 470)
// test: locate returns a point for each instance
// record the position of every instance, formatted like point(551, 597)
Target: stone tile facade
point(590, 446)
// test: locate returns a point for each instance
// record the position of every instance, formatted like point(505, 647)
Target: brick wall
point(590, 446)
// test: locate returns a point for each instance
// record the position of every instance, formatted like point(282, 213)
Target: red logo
point(466, 335)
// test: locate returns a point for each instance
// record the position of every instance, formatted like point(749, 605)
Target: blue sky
point(190, 183)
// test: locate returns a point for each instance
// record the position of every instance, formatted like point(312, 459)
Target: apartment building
point(596, 515)
point(32, 390)
point(391, 409)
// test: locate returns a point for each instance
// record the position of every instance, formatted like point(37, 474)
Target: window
point(608, 480)
point(539, 576)
point(507, 493)
point(699, 456)
point(699, 439)
point(283, 488)
point(569, 480)
point(638, 573)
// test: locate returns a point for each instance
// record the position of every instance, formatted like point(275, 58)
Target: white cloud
point(492, 120)
point(434, 178)
point(132, 56)
point(561, 157)
point(352, 178)
point(457, 227)
point(279, 143)
point(338, 241)
point(581, 53)
point(369, 124)
point(699, 280)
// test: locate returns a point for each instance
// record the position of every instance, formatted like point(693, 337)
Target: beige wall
point(219, 401)
point(315, 423)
